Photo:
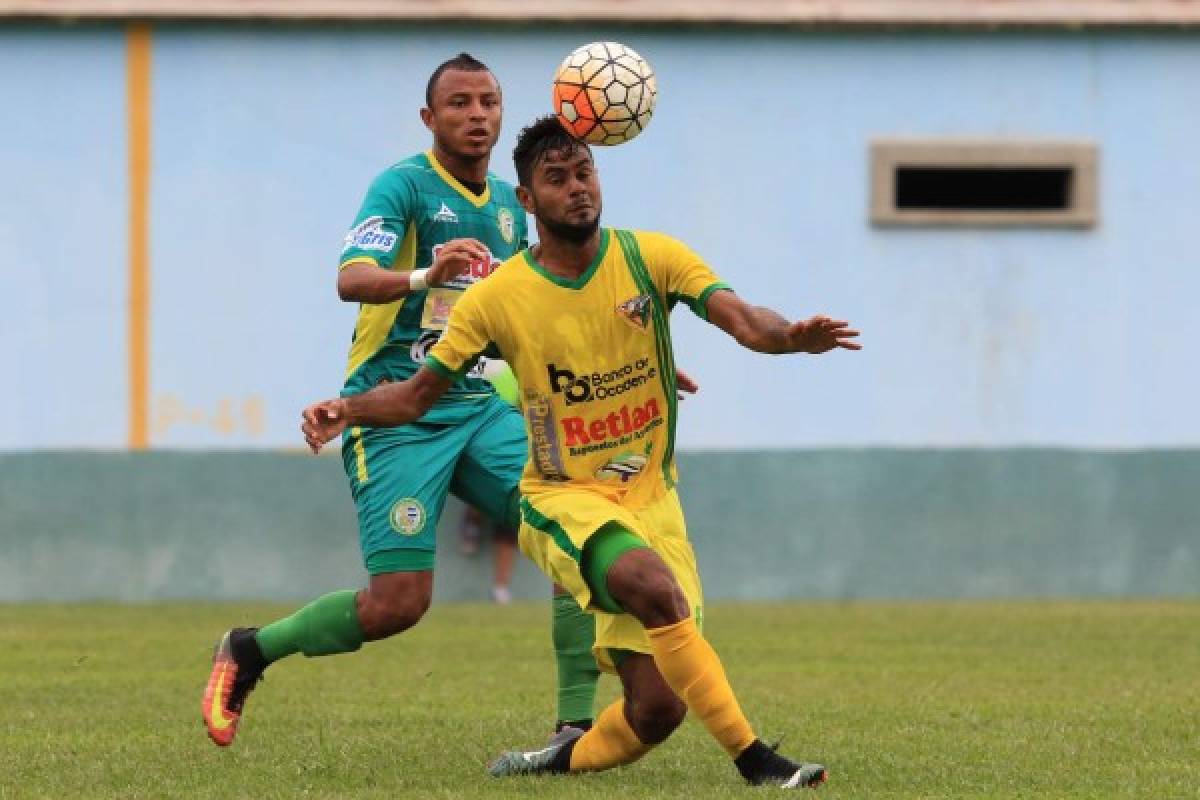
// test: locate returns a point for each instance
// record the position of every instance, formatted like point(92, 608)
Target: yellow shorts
point(556, 524)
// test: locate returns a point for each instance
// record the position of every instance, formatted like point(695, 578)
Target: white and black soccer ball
point(604, 93)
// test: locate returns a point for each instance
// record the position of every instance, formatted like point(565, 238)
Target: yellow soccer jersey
point(593, 359)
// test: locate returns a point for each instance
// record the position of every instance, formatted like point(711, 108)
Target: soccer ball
point(604, 93)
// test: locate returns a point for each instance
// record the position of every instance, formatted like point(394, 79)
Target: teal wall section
point(833, 524)
point(945, 523)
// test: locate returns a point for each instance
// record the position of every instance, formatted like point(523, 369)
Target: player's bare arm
point(363, 282)
point(384, 406)
point(765, 331)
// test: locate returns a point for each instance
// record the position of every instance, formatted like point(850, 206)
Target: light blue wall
point(265, 137)
point(63, 221)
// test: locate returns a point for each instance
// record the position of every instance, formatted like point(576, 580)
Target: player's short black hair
point(463, 61)
point(536, 139)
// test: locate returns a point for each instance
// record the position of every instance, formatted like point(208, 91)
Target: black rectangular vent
point(983, 182)
point(984, 188)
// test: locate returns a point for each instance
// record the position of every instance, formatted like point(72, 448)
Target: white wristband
point(417, 280)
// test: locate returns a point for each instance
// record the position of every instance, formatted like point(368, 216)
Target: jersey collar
point(583, 279)
point(477, 200)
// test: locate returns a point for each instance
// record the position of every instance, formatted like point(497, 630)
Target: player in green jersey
point(430, 226)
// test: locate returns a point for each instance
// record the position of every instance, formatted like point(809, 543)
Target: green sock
point(574, 631)
point(326, 626)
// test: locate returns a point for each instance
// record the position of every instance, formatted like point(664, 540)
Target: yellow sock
point(610, 742)
point(691, 667)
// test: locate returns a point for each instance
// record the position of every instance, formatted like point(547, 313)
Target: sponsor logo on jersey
point(543, 436)
point(636, 311)
point(445, 214)
point(419, 350)
point(599, 385)
point(625, 466)
point(439, 302)
point(478, 270)
point(481, 367)
point(615, 429)
point(369, 235)
point(407, 516)
point(506, 223)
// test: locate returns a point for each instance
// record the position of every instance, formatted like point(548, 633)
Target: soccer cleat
point(806, 776)
point(554, 758)
point(228, 685)
point(761, 765)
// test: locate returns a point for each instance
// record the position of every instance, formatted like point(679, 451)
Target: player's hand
point(821, 334)
point(323, 422)
point(454, 258)
point(685, 383)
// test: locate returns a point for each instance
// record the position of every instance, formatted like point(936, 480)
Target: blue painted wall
point(265, 138)
point(63, 228)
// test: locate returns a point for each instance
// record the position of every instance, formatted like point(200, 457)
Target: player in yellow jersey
point(582, 320)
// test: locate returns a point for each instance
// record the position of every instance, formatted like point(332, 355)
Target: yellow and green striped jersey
point(593, 359)
point(410, 210)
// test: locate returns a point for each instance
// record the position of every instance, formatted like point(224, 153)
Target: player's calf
point(652, 708)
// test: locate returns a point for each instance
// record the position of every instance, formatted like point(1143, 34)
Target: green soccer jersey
point(410, 211)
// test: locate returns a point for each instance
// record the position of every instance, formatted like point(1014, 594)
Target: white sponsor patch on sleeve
point(369, 235)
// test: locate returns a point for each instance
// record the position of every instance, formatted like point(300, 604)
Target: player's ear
point(427, 118)
point(525, 198)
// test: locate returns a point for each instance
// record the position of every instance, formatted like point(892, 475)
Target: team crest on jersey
point(636, 311)
point(445, 214)
point(507, 225)
point(369, 235)
point(407, 516)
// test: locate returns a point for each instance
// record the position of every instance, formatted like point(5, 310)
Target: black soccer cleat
point(761, 765)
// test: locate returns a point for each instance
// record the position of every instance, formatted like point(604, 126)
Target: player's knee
point(385, 611)
point(393, 616)
point(647, 589)
point(668, 604)
point(656, 717)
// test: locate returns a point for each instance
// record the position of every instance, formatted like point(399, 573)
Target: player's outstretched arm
point(382, 407)
point(363, 282)
point(765, 331)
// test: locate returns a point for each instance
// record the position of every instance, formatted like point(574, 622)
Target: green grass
point(961, 700)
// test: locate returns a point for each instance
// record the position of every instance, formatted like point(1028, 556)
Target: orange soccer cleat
point(229, 684)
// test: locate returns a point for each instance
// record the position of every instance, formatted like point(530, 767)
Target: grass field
point(1055, 700)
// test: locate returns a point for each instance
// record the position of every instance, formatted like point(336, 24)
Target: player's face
point(565, 194)
point(465, 114)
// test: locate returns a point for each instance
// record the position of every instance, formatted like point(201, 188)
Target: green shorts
point(400, 476)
